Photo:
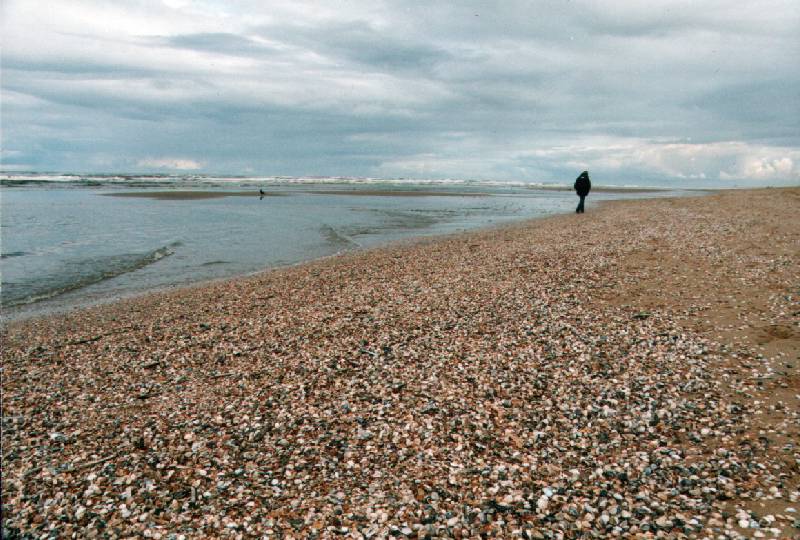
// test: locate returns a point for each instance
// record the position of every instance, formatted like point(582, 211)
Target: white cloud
point(736, 160)
point(178, 164)
point(765, 168)
point(612, 160)
point(728, 160)
point(435, 166)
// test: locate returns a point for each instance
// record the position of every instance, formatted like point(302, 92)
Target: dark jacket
point(582, 184)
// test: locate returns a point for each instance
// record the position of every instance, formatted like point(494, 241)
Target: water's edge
point(29, 311)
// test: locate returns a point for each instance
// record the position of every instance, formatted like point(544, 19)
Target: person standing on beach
point(582, 187)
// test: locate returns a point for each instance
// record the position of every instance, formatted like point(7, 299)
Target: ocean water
point(71, 240)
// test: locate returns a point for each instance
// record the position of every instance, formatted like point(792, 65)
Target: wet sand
point(188, 195)
point(614, 189)
point(397, 193)
point(631, 371)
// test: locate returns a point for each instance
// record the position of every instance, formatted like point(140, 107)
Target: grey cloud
point(117, 105)
point(773, 103)
point(359, 42)
point(78, 69)
point(219, 43)
point(473, 88)
point(227, 136)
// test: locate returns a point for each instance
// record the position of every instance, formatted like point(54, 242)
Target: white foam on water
point(189, 180)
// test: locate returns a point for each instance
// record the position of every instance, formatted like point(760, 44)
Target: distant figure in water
point(582, 187)
point(261, 194)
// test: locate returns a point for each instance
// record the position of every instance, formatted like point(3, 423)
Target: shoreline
point(28, 311)
point(422, 385)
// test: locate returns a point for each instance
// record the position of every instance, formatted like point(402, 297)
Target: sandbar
point(397, 193)
point(188, 195)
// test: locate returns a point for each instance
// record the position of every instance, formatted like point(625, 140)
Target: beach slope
point(627, 371)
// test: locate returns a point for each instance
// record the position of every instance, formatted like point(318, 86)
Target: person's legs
point(579, 210)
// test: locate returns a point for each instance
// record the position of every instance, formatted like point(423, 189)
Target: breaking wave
point(77, 274)
point(336, 238)
point(231, 181)
point(74, 180)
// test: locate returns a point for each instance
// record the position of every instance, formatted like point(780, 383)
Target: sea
point(70, 240)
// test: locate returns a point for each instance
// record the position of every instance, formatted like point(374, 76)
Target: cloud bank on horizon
point(672, 91)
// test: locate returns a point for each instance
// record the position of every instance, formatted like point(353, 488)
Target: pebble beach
point(633, 371)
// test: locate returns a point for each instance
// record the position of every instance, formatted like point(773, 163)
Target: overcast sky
point(675, 92)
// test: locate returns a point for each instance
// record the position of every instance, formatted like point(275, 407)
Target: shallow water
point(70, 244)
